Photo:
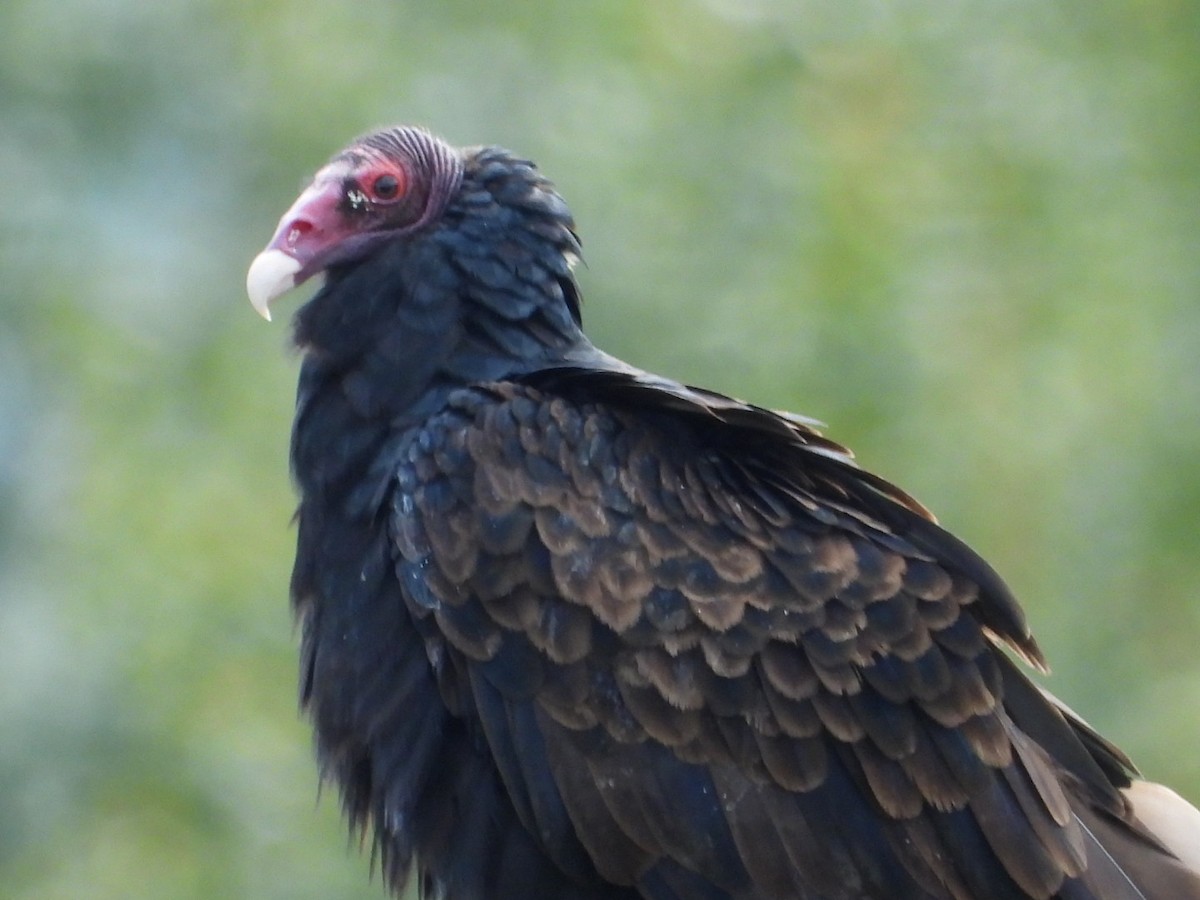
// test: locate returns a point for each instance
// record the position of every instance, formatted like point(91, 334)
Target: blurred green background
point(964, 234)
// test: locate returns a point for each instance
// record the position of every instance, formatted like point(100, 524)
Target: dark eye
point(386, 187)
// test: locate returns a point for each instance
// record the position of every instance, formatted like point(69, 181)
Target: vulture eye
point(385, 187)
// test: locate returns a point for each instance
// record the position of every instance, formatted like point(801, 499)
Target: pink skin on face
point(330, 211)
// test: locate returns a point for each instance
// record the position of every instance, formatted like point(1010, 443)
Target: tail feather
point(1156, 856)
point(1169, 818)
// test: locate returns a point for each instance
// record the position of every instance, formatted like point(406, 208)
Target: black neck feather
point(483, 293)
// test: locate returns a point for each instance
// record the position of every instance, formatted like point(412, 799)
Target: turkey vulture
point(574, 630)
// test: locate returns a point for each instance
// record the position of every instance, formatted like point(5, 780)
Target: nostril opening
point(298, 229)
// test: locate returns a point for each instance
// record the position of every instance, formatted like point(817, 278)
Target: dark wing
point(712, 658)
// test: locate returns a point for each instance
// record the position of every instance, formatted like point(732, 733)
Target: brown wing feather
point(764, 672)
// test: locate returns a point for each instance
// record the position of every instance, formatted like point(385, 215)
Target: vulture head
point(382, 186)
point(397, 185)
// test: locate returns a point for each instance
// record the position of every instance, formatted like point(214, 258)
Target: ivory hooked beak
point(271, 274)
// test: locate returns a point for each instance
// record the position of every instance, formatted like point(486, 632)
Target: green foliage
point(965, 235)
